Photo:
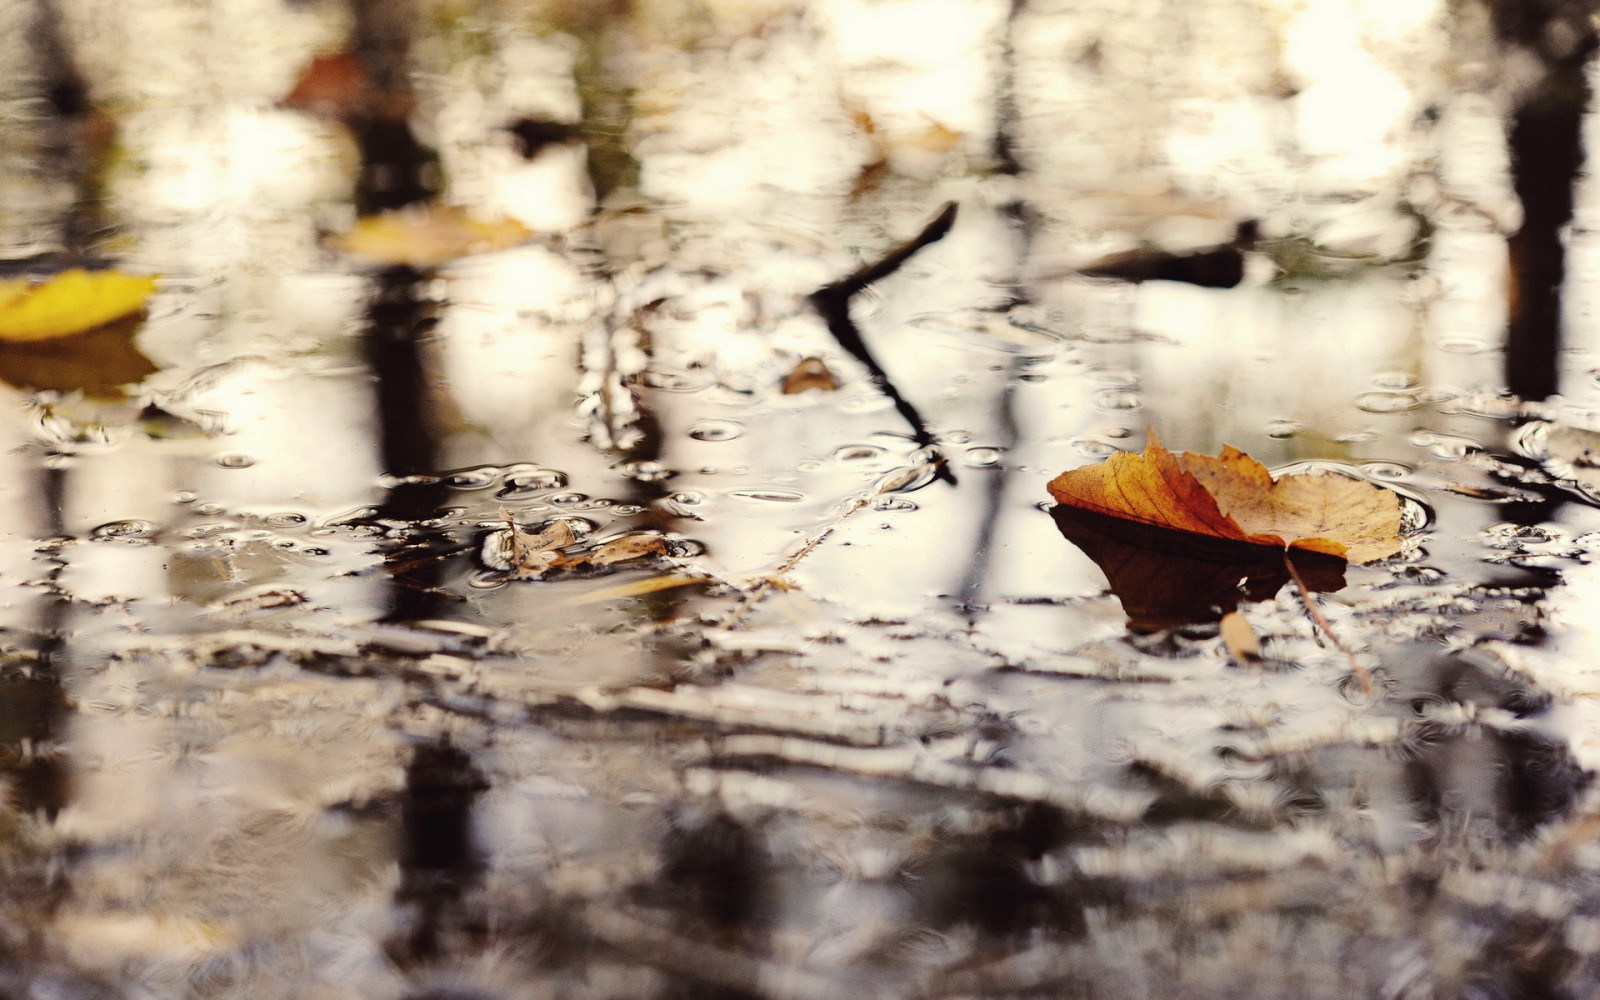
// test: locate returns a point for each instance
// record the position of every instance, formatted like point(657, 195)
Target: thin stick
point(1322, 623)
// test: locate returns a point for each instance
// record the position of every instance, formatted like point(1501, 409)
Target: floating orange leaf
point(1234, 498)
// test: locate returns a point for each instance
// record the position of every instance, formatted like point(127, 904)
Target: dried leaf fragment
point(1239, 638)
point(1234, 498)
point(425, 237)
point(70, 302)
point(810, 373)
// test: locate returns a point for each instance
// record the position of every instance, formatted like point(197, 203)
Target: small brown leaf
point(1239, 638)
point(628, 548)
point(810, 373)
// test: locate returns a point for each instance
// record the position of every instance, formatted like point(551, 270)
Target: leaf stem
point(1362, 674)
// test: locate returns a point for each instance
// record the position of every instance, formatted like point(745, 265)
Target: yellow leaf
point(427, 237)
point(71, 302)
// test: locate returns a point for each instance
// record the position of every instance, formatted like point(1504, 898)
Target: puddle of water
point(810, 697)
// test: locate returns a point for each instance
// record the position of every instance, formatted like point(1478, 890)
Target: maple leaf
point(1233, 497)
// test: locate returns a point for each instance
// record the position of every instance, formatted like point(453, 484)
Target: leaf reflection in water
point(1165, 578)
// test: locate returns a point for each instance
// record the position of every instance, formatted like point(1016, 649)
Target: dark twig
point(833, 302)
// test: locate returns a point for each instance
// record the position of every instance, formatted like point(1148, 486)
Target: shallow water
point(817, 701)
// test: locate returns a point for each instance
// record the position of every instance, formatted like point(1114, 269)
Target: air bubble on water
point(684, 548)
point(1112, 400)
point(1387, 402)
point(213, 509)
point(628, 509)
point(568, 499)
point(528, 482)
point(209, 530)
point(132, 528)
point(1396, 380)
point(1434, 395)
point(857, 453)
point(888, 503)
point(1357, 437)
point(185, 496)
point(957, 437)
point(687, 497)
point(1091, 447)
point(1463, 345)
point(672, 381)
point(1386, 470)
point(981, 458)
point(1283, 429)
point(1119, 433)
point(645, 471)
point(234, 460)
point(487, 580)
point(472, 479)
point(1415, 513)
point(285, 519)
point(716, 430)
point(769, 496)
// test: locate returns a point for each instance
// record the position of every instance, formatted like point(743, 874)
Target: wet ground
point(667, 603)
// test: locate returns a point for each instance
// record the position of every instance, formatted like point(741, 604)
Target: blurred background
point(813, 700)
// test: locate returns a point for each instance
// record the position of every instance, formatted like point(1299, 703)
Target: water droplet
point(1396, 380)
point(472, 479)
point(981, 458)
point(1463, 345)
point(1118, 433)
point(210, 509)
point(716, 430)
point(770, 496)
point(646, 472)
point(1117, 399)
point(857, 453)
point(129, 529)
point(235, 460)
point(1284, 429)
point(1387, 402)
point(285, 519)
point(1092, 447)
point(185, 496)
point(672, 381)
point(893, 503)
point(524, 484)
point(568, 499)
point(628, 509)
point(1433, 395)
point(958, 437)
point(684, 548)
